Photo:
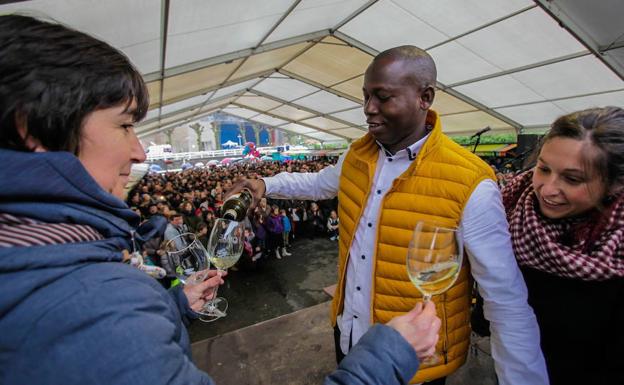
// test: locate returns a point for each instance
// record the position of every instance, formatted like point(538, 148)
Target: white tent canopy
point(298, 64)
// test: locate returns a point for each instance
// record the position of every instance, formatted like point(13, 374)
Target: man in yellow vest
point(404, 170)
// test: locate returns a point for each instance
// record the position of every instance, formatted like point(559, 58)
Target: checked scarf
point(589, 248)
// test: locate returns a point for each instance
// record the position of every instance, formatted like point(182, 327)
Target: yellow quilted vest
point(435, 187)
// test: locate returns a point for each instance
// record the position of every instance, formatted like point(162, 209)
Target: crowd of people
point(547, 253)
point(191, 200)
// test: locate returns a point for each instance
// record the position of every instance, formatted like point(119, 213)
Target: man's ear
point(426, 97)
point(31, 143)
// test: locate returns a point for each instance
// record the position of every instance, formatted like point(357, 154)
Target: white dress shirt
point(514, 331)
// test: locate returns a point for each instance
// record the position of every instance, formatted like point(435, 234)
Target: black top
point(581, 326)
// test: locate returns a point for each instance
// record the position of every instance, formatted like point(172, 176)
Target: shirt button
point(354, 316)
point(363, 256)
point(370, 224)
point(389, 159)
point(357, 287)
point(378, 191)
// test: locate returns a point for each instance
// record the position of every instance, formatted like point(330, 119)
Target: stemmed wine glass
point(434, 259)
point(188, 258)
point(225, 247)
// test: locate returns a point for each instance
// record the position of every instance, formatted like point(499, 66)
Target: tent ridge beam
point(279, 100)
point(566, 22)
point(355, 43)
point(316, 114)
point(615, 45)
point(156, 130)
point(319, 85)
point(561, 98)
point(510, 71)
point(486, 25)
point(480, 106)
point(231, 56)
point(281, 19)
point(206, 90)
point(353, 15)
point(164, 28)
point(185, 109)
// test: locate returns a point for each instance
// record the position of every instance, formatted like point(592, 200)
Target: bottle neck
point(230, 214)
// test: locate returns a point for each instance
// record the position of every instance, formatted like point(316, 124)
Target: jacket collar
point(54, 187)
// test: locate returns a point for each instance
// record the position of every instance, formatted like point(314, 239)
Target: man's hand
point(256, 186)
point(200, 293)
point(419, 327)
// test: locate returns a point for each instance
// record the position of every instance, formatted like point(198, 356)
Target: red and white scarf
point(589, 248)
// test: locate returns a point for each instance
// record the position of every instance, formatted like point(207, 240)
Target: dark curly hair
point(52, 77)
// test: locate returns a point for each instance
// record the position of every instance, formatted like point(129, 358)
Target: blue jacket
point(286, 223)
point(73, 314)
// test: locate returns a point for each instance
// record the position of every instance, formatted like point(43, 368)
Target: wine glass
point(225, 247)
point(434, 259)
point(187, 258)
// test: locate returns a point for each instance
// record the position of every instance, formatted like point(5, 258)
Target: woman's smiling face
point(564, 184)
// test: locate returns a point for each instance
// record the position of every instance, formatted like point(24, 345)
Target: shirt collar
point(410, 152)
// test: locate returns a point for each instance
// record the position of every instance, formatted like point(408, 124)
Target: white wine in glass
point(225, 247)
point(434, 259)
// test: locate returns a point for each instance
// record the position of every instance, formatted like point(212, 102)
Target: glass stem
point(216, 290)
point(426, 298)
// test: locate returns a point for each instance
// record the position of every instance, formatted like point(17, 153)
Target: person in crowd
point(137, 211)
point(264, 208)
point(316, 221)
point(191, 220)
point(254, 242)
point(76, 313)
point(299, 209)
point(175, 229)
point(202, 234)
point(332, 225)
point(405, 170)
point(291, 211)
point(135, 200)
point(209, 219)
point(275, 228)
point(251, 250)
point(286, 225)
point(152, 210)
point(566, 217)
point(259, 229)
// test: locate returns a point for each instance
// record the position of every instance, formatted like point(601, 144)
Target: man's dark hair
point(52, 77)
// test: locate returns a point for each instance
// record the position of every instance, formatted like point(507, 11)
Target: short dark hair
point(52, 77)
point(603, 128)
point(425, 72)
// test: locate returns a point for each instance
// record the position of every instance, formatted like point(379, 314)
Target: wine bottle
point(235, 207)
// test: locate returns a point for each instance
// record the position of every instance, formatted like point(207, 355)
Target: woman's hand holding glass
point(188, 259)
point(198, 294)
